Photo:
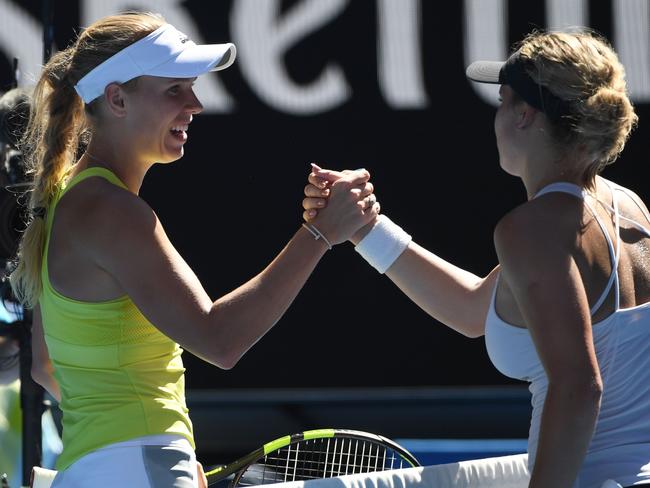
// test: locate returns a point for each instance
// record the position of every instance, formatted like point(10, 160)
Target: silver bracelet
point(385, 242)
point(317, 234)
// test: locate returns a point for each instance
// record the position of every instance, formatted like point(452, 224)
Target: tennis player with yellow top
point(113, 300)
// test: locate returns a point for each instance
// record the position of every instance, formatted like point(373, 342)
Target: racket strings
point(321, 458)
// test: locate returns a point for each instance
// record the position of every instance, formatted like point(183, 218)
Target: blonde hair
point(57, 121)
point(581, 68)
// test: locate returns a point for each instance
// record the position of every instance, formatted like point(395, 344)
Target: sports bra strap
point(614, 250)
point(613, 277)
point(640, 227)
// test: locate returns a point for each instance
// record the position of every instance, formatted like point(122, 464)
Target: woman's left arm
point(42, 369)
point(539, 267)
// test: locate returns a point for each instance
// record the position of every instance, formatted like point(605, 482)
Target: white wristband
point(383, 244)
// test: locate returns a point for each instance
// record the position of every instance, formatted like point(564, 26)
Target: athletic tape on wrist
point(385, 242)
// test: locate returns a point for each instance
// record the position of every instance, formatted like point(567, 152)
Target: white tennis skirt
point(158, 461)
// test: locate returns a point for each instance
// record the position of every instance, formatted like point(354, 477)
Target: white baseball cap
point(166, 52)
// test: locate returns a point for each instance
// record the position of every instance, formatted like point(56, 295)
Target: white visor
point(165, 52)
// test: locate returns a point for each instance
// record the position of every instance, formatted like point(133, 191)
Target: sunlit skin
point(159, 105)
point(134, 129)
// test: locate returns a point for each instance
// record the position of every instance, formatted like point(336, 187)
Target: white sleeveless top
point(620, 448)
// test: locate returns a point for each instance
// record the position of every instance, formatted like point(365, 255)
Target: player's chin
point(171, 156)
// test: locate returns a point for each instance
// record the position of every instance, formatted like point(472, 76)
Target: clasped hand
point(340, 203)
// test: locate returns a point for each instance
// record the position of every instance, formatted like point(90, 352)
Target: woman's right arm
point(451, 295)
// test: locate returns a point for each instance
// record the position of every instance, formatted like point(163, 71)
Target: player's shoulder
point(539, 225)
point(97, 210)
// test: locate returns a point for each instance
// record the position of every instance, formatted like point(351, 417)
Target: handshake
point(341, 206)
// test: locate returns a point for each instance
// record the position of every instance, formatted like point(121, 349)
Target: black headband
point(513, 73)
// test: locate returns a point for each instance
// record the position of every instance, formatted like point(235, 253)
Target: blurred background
point(378, 84)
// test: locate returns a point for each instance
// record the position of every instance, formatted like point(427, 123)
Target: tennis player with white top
point(568, 307)
point(113, 300)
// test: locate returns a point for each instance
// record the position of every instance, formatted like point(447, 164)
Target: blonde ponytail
point(49, 147)
point(57, 121)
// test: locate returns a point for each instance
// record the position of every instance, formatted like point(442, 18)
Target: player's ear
point(114, 96)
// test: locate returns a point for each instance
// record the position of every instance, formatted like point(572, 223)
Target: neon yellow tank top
point(120, 377)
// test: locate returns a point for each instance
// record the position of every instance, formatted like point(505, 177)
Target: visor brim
point(197, 60)
point(485, 71)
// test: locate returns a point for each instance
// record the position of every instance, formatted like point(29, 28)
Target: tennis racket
point(322, 453)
